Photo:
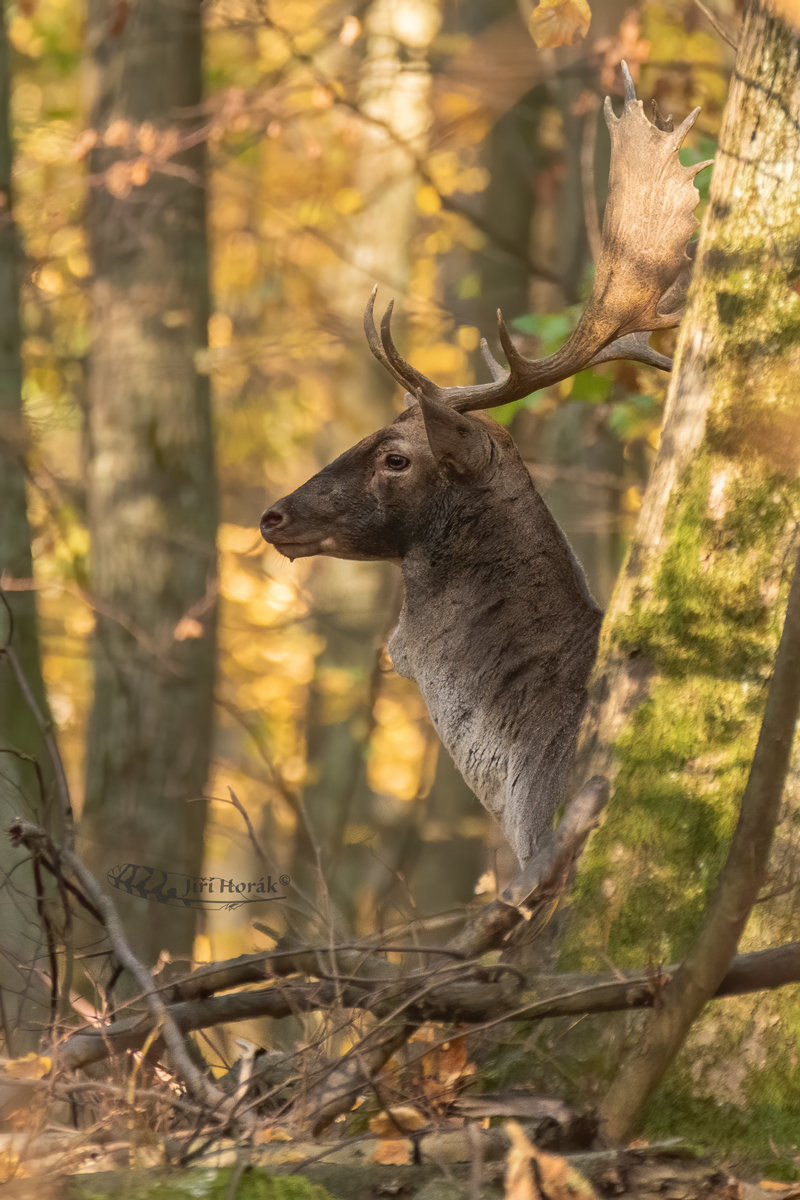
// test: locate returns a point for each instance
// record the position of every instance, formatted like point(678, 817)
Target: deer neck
point(486, 585)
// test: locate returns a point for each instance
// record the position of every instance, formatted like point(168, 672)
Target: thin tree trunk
point(23, 994)
point(152, 491)
point(355, 603)
point(691, 636)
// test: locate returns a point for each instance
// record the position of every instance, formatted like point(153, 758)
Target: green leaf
point(623, 418)
point(644, 403)
point(552, 329)
point(689, 155)
point(506, 413)
point(591, 388)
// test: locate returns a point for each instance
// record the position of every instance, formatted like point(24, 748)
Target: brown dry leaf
point(117, 134)
point(392, 1153)
point(401, 1119)
point(627, 45)
point(788, 1191)
point(84, 142)
point(187, 628)
point(551, 1175)
point(444, 1068)
point(118, 180)
point(147, 138)
point(140, 173)
point(555, 22)
point(32, 1066)
point(271, 1134)
point(119, 19)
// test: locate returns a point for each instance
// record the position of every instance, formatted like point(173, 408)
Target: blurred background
point(204, 197)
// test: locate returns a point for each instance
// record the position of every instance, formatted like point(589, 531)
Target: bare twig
point(199, 1087)
point(717, 25)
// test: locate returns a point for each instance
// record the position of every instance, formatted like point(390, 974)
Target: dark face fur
point(379, 498)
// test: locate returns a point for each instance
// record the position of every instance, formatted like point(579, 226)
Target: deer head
point(498, 627)
point(367, 504)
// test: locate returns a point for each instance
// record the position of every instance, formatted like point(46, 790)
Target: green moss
point(726, 1131)
point(709, 627)
point(157, 1184)
point(257, 1184)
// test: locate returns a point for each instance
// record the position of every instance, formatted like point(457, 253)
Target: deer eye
point(397, 462)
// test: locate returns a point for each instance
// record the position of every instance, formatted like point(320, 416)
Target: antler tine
point(497, 372)
point(374, 342)
point(630, 90)
point(635, 346)
point(665, 124)
point(518, 364)
point(409, 376)
point(680, 133)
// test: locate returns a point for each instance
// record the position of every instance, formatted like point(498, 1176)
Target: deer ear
point(454, 439)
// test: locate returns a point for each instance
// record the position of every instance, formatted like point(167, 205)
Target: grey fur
point(498, 627)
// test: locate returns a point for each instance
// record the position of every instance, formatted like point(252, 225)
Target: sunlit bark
point(355, 603)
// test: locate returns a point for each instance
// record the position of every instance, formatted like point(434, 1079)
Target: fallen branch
point(467, 1001)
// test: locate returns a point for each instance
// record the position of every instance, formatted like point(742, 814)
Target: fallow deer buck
point(498, 627)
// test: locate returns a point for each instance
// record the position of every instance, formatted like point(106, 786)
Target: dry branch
point(199, 1087)
point(470, 1000)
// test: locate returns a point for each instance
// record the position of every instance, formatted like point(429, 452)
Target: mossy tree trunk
point(691, 636)
point(152, 491)
point(23, 995)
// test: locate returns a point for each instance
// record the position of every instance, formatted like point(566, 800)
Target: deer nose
point(271, 521)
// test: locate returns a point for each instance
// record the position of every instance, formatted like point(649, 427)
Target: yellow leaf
point(348, 200)
point(486, 885)
point(555, 22)
point(468, 337)
point(32, 1066)
point(632, 500)
point(428, 200)
point(393, 1122)
point(554, 1177)
point(187, 628)
point(392, 1153)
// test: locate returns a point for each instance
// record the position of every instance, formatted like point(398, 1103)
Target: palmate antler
point(640, 282)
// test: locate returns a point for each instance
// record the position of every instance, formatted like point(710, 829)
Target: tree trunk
point(689, 642)
point(356, 603)
point(152, 492)
point(23, 996)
